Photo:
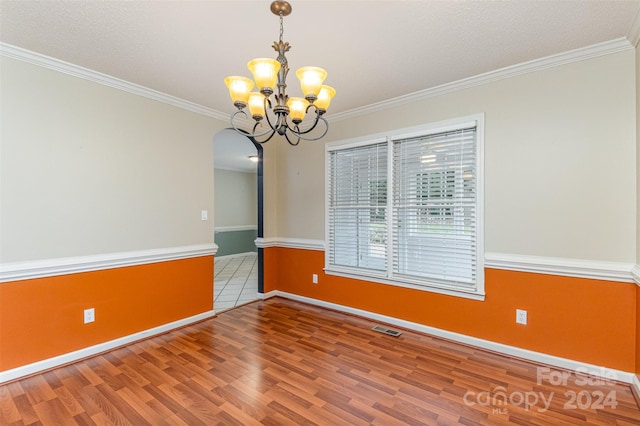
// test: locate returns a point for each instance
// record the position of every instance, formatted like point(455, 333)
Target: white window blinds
point(434, 207)
point(408, 210)
point(357, 205)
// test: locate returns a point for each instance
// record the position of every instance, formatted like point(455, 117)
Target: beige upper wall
point(560, 163)
point(88, 169)
point(236, 198)
point(638, 154)
point(270, 189)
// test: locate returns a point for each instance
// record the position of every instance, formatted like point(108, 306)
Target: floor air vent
point(385, 330)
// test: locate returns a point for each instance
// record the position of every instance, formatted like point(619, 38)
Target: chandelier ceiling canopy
point(292, 117)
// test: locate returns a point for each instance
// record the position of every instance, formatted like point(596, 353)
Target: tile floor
point(235, 281)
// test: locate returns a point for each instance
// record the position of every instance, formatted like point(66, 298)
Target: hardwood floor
point(280, 362)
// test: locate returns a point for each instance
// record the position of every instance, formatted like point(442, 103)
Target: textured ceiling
point(373, 50)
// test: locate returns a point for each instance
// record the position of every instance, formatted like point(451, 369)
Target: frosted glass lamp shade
point(239, 89)
point(265, 73)
point(311, 79)
point(256, 105)
point(324, 97)
point(297, 109)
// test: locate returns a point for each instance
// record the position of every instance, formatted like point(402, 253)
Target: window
point(406, 208)
point(358, 218)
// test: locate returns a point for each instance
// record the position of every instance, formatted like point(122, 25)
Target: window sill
point(466, 293)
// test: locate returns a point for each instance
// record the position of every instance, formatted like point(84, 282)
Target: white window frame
point(477, 291)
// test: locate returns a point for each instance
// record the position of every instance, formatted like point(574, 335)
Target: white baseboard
point(635, 382)
point(67, 358)
point(567, 364)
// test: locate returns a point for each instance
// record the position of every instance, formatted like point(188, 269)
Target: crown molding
point(54, 64)
point(26, 270)
point(581, 54)
point(634, 32)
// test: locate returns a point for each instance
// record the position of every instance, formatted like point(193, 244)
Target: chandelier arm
point(301, 134)
point(286, 135)
point(273, 132)
point(255, 126)
point(313, 126)
point(233, 121)
point(280, 121)
point(244, 132)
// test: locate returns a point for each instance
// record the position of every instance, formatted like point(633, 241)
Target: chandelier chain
point(281, 26)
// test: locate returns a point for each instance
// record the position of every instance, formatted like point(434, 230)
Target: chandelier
point(284, 115)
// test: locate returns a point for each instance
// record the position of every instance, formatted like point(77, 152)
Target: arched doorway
point(238, 195)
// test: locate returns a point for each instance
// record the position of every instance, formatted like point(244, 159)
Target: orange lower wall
point(585, 320)
point(637, 370)
point(43, 318)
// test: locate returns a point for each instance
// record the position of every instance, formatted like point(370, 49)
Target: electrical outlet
point(89, 315)
point(314, 278)
point(521, 316)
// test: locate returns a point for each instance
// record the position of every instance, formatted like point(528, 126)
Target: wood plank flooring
point(279, 362)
